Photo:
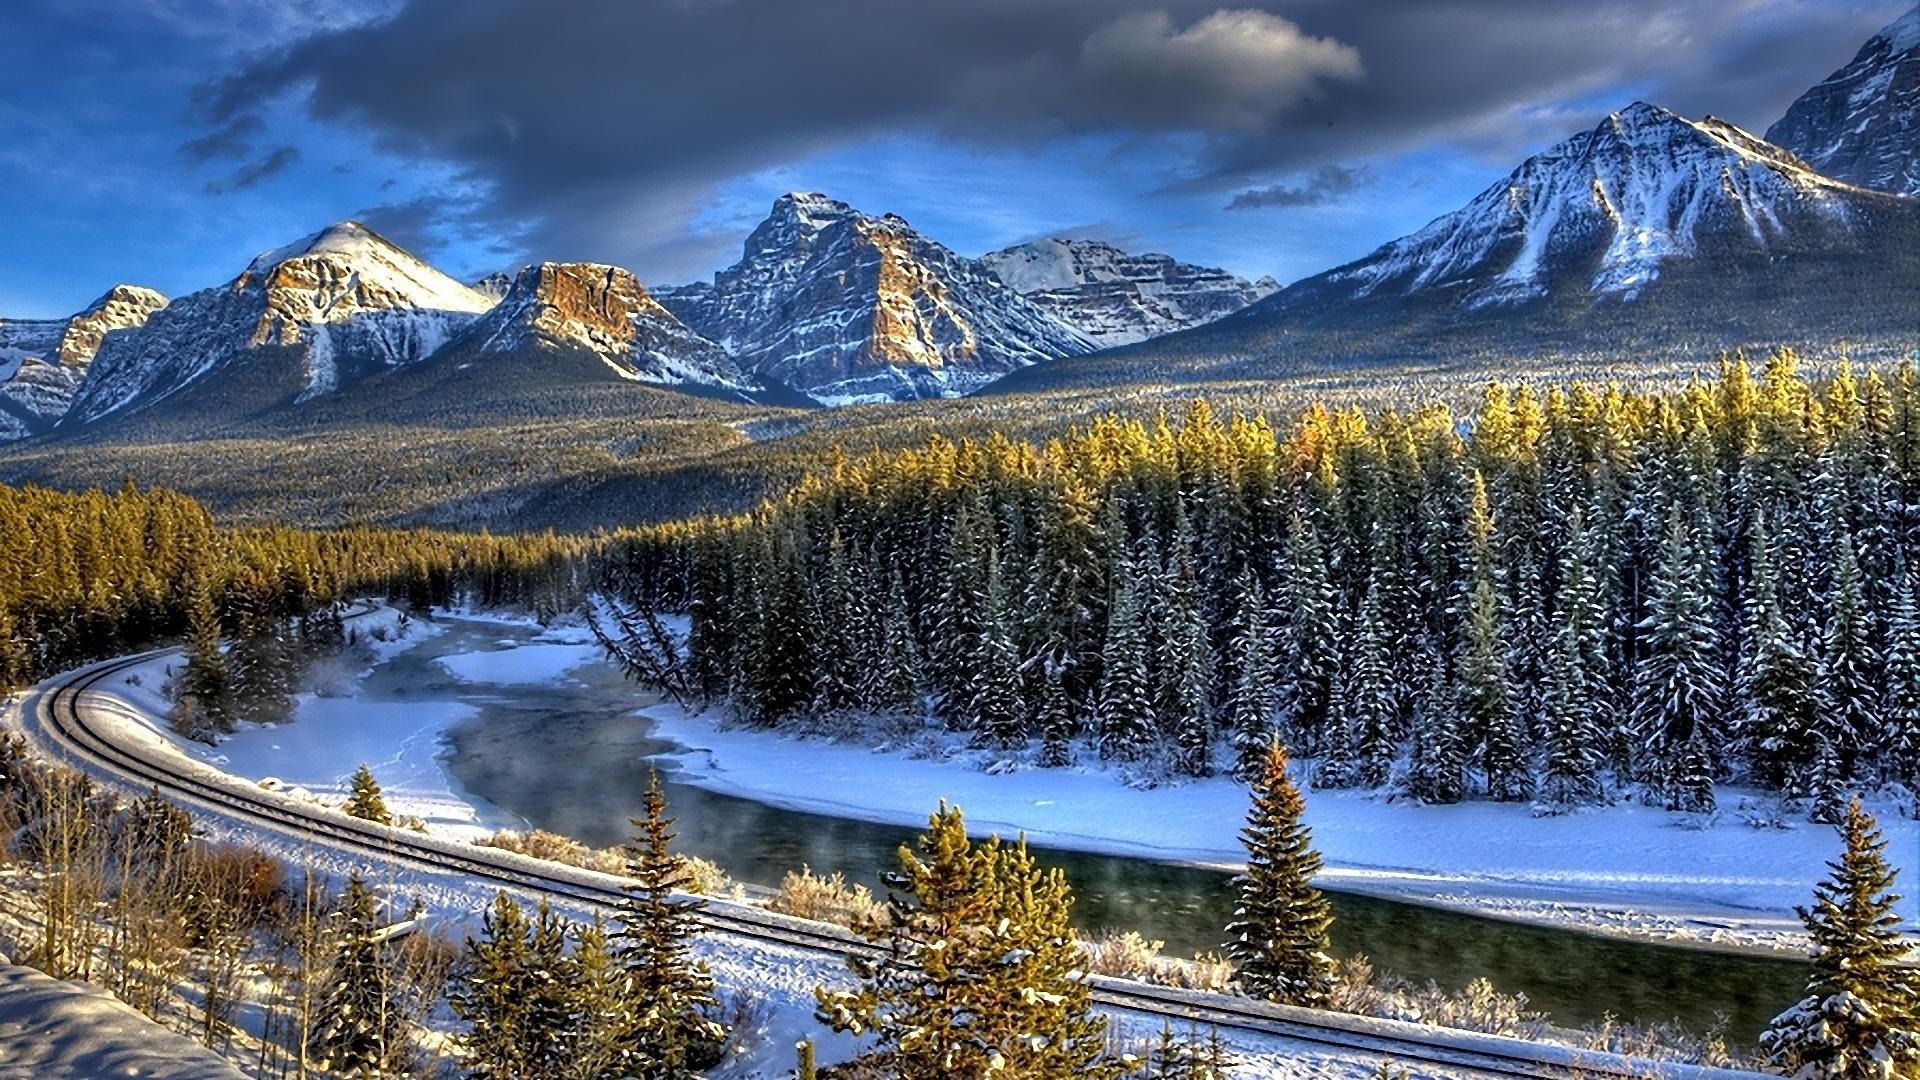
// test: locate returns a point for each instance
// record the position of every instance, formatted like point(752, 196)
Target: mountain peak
point(1862, 124)
point(1902, 34)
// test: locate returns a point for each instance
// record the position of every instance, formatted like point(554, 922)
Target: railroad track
point(62, 708)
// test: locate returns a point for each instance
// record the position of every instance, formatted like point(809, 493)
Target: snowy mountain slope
point(847, 308)
point(1862, 125)
point(1117, 298)
point(298, 322)
point(1613, 205)
point(43, 361)
point(1649, 235)
point(603, 312)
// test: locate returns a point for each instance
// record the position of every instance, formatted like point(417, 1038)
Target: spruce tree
point(1571, 774)
point(670, 993)
point(1250, 700)
point(1860, 1018)
point(994, 686)
point(1902, 708)
point(1486, 699)
point(493, 996)
point(204, 709)
point(1310, 649)
point(1677, 686)
point(1278, 938)
point(364, 799)
point(1437, 773)
point(981, 973)
point(1775, 677)
point(1123, 712)
point(1848, 716)
point(358, 1027)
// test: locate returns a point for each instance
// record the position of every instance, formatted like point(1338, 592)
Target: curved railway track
point(63, 710)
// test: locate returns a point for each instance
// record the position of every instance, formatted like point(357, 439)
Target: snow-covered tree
point(1278, 937)
point(1124, 712)
point(1486, 699)
point(1250, 699)
point(1571, 775)
point(1678, 686)
point(670, 999)
point(359, 1028)
point(1860, 1018)
point(364, 799)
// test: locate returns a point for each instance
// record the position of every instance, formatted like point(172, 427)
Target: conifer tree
point(981, 974)
point(1123, 712)
point(893, 684)
point(670, 993)
point(600, 1009)
point(1437, 772)
point(1902, 709)
point(358, 1027)
point(1677, 688)
point(1571, 774)
point(1278, 937)
point(1848, 714)
point(1486, 701)
point(995, 681)
point(1777, 727)
point(1185, 662)
point(364, 799)
point(1860, 1018)
point(204, 710)
point(1310, 652)
point(1250, 701)
point(494, 997)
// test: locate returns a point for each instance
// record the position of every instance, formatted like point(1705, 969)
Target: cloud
point(232, 140)
point(1326, 184)
point(273, 164)
point(620, 118)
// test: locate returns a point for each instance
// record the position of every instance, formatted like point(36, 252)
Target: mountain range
point(1651, 232)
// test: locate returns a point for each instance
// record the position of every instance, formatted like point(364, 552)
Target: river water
point(569, 756)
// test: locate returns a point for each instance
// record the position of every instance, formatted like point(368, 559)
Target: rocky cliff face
point(604, 312)
point(299, 321)
point(847, 308)
point(1862, 125)
point(1117, 298)
point(43, 362)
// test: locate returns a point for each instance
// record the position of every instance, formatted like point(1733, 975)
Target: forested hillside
point(97, 574)
point(1585, 592)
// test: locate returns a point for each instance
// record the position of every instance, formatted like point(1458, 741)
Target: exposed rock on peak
point(1862, 125)
point(1117, 298)
point(603, 311)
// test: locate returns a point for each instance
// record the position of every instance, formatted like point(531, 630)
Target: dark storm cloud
point(600, 126)
point(1326, 184)
point(273, 164)
point(232, 140)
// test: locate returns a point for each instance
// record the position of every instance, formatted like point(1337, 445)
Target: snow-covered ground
point(1626, 869)
point(329, 736)
point(56, 1030)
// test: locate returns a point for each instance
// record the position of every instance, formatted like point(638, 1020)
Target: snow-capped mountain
point(1862, 125)
point(846, 308)
point(495, 285)
point(604, 312)
point(43, 361)
point(1604, 213)
point(299, 321)
point(1117, 298)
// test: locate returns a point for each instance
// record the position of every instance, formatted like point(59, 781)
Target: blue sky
point(165, 142)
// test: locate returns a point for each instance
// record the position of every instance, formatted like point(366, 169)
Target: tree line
point(93, 574)
point(1579, 592)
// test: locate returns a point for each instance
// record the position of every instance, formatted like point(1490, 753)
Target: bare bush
point(827, 898)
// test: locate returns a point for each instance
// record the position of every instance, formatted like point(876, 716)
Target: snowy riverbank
point(1624, 870)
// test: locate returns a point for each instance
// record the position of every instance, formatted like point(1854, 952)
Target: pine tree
point(670, 992)
point(1860, 1018)
point(1777, 726)
point(204, 710)
point(1310, 649)
point(364, 800)
point(1486, 700)
point(981, 972)
point(358, 1027)
point(1250, 702)
point(1369, 713)
point(1848, 714)
point(995, 679)
point(600, 1007)
point(1902, 708)
point(1437, 774)
point(893, 684)
point(1278, 937)
point(1571, 775)
point(1185, 661)
point(1123, 712)
point(1677, 686)
point(1054, 715)
point(493, 995)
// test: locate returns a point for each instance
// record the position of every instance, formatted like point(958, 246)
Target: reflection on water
point(571, 758)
